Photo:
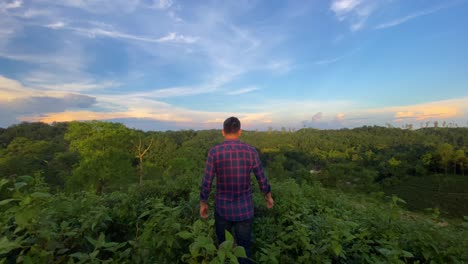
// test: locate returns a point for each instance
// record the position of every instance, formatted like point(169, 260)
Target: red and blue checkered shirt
point(232, 162)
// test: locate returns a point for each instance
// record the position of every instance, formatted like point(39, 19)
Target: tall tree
point(445, 153)
point(460, 159)
point(141, 151)
point(106, 154)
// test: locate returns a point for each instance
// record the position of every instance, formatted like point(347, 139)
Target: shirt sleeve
point(208, 177)
point(260, 175)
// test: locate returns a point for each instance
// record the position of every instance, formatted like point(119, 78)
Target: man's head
point(232, 128)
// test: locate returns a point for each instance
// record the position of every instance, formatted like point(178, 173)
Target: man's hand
point(269, 200)
point(203, 210)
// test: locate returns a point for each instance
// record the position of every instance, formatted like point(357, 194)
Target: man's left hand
point(203, 210)
point(269, 200)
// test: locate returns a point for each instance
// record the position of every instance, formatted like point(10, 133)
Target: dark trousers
point(241, 230)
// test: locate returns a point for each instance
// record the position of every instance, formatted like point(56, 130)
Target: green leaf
point(228, 235)
point(210, 248)
point(407, 254)
point(239, 252)
point(26, 178)
point(40, 195)
point(3, 182)
point(7, 201)
point(70, 233)
point(227, 245)
point(125, 253)
point(232, 258)
point(397, 199)
point(337, 248)
point(94, 254)
point(385, 252)
point(185, 234)
point(28, 260)
point(144, 214)
point(24, 217)
point(221, 255)
point(19, 185)
point(63, 251)
point(92, 241)
point(7, 245)
point(80, 256)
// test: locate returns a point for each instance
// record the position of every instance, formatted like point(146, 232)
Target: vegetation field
point(99, 192)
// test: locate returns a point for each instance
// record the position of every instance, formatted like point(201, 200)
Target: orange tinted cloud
point(429, 111)
point(90, 115)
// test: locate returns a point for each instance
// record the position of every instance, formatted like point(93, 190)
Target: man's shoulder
point(223, 146)
point(246, 147)
point(249, 147)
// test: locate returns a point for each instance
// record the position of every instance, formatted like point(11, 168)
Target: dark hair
point(231, 125)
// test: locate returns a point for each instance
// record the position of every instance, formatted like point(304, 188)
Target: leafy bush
point(309, 224)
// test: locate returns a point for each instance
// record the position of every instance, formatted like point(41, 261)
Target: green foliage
point(308, 224)
point(106, 155)
point(105, 217)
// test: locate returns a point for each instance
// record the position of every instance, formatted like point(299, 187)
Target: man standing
point(232, 162)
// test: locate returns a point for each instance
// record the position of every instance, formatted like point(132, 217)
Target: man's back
point(232, 163)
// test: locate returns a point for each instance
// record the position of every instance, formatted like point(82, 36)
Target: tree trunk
point(100, 187)
point(141, 170)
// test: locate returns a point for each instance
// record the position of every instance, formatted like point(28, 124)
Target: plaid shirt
point(232, 162)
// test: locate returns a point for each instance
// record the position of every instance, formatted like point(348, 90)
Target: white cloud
point(108, 32)
point(317, 117)
point(341, 7)
point(80, 86)
point(328, 61)
point(10, 5)
point(178, 91)
point(32, 12)
point(56, 25)
point(279, 66)
point(354, 12)
point(34, 104)
point(407, 18)
point(162, 4)
point(243, 90)
point(340, 116)
point(174, 37)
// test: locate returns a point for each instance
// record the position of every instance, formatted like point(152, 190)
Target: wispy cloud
point(162, 4)
point(79, 87)
point(104, 32)
point(342, 7)
point(5, 5)
point(56, 25)
point(328, 61)
point(212, 85)
point(24, 103)
point(243, 91)
point(177, 91)
point(404, 19)
point(355, 12)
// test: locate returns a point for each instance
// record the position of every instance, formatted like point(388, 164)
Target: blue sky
point(168, 64)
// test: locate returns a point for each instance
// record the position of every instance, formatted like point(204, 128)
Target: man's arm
point(262, 180)
point(206, 185)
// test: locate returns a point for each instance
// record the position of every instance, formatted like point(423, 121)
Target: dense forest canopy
point(104, 190)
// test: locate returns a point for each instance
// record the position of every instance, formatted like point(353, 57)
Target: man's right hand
point(269, 200)
point(203, 210)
